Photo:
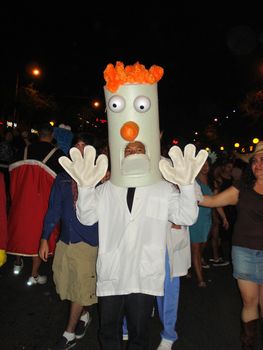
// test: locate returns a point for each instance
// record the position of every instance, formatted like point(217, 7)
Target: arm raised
point(84, 170)
point(185, 166)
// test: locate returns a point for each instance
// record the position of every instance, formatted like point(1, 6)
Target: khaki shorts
point(74, 272)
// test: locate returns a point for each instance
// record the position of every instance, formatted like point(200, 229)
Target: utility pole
point(16, 97)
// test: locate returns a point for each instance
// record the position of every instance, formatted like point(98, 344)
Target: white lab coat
point(179, 245)
point(179, 251)
point(131, 257)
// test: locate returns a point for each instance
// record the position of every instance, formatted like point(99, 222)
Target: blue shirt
point(62, 210)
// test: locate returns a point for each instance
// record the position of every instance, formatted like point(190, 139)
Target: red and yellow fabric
point(3, 221)
point(30, 186)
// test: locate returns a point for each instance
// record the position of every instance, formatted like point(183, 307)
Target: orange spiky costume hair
point(135, 74)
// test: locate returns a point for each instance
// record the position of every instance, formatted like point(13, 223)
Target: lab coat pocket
point(153, 262)
point(157, 208)
point(179, 238)
point(108, 266)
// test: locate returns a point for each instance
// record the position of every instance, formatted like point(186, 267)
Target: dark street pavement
point(34, 317)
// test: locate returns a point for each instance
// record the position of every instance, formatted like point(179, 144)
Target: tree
point(34, 106)
point(252, 106)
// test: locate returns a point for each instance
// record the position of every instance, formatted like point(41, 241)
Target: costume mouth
point(135, 164)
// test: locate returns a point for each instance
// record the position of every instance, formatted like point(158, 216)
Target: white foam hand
point(84, 170)
point(185, 166)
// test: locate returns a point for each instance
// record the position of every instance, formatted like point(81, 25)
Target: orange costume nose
point(129, 131)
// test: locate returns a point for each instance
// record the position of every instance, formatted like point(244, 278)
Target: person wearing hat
point(247, 241)
point(247, 156)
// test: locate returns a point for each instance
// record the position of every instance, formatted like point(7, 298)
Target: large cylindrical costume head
point(133, 115)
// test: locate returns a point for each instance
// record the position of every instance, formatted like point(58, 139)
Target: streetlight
point(36, 72)
point(96, 104)
point(16, 94)
point(33, 71)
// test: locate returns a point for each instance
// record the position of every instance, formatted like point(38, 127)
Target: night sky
point(211, 56)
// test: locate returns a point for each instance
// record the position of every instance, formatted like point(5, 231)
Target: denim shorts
point(247, 264)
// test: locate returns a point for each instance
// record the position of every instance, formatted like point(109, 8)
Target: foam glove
point(185, 166)
point(84, 170)
point(2, 257)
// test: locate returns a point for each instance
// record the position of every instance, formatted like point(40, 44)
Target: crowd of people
point(212, 248)
point(123, 224)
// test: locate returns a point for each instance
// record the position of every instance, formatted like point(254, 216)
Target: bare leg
point(36, 261)
point(84, 310)
point(215, 240)
point(261, 300)
point(250, 298)
point(74, 316)
point(197, 262)
point(18, 260)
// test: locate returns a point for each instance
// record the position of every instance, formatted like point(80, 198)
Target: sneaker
point(189, 275)
point(212, 259)
point(205, 265)
point(81, 328)
point(153, 312)
point(125, 336)
point(165, 344)
point(36, 280)
point(220, 262)
point(202, 284)
point(64, 344)
point(17, 268)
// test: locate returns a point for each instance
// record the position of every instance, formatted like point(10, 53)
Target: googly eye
point(116, 103)
point(142, 104)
